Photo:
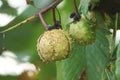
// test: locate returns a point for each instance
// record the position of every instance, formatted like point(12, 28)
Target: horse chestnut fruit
point(81, 32)
point(54, 45)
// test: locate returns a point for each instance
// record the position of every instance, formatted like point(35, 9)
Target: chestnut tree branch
point(47, 9)
point(33, 17)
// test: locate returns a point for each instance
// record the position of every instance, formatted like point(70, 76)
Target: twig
point(43, 21)
point(53, 14)
point(45, 10)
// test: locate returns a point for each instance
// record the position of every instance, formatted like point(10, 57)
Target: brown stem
point(43, 21)
point(53, 14)
point(75, 7)
point(45, 10)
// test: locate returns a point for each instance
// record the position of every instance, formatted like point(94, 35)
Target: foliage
point(118, 63)
point(91, 62)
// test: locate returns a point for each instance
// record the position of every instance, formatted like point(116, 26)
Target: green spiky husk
point(54, 45)
point(82, 32)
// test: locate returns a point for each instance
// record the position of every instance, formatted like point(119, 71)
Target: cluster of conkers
point(55, 44)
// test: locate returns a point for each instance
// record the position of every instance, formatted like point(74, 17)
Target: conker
point(54, 45)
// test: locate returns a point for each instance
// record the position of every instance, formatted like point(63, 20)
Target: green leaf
point(97, 57)
point(84, 4)
point(117, 71)
point(93, 58)
point(5, 8)
point(101, 23)
point(71, 68)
